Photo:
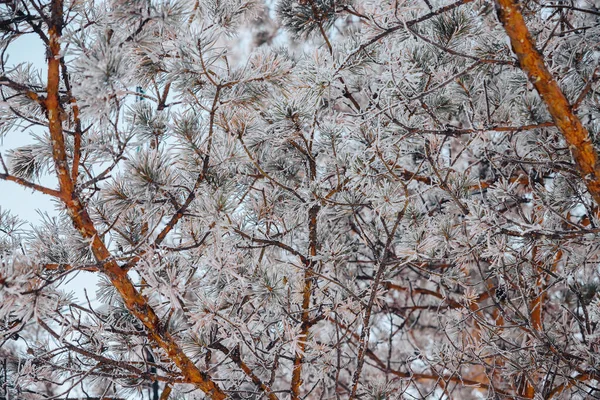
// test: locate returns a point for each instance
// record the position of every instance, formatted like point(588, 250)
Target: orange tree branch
point(587, 88)
point(135, 302)
point(30, 185)
point(309, 265)
point(451, 302)
point(309, 276)
point(532, 63)
point(166, 392)
point(69, 267)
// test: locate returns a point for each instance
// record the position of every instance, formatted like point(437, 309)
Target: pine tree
point(302, 199)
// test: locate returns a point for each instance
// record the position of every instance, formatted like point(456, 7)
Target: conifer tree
point(302, 199)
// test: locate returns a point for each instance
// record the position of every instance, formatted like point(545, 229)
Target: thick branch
point(135, 302)
point(313, 213)
point(532, 63)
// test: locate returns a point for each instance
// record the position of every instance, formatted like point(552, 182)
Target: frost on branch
point(297, 199)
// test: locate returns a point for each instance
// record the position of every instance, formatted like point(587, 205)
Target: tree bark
point(135, 302)
point(532, 63)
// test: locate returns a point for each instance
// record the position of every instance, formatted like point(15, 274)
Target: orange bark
point(30, 185)
point(582, 149)
point(134, 301)
point(532, 63)
point(306, 295)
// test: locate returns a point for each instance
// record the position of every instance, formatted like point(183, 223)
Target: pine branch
point(135, 302)
point(532, 63)
point(23, 89)
point(31, 185)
